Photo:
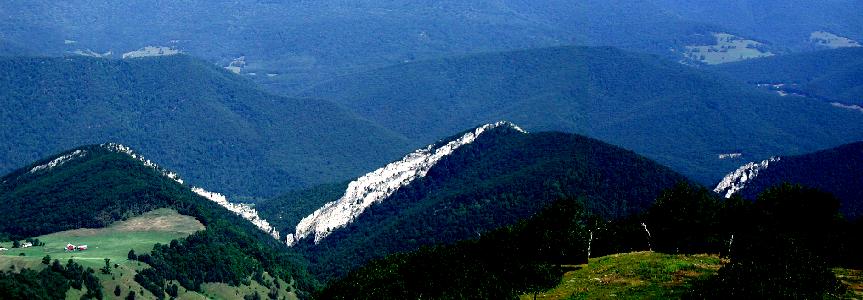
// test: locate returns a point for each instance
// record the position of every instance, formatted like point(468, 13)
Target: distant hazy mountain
point(94, 186)
point(837, 170)
point(830, 75)
point(459, 188)
point(785, 24)
point(298, 42)
point(212, 126)
point(293, 43)
point(677, 115)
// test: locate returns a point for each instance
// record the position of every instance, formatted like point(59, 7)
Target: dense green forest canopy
point(214, 127)
point(519, 258)
point(50, 283)
point(677, 115)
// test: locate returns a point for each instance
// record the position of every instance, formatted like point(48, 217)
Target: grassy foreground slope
point(637, 275)
point(652, 275)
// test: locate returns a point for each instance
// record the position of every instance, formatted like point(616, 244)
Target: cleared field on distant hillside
point(113, 242)
point(728, 48)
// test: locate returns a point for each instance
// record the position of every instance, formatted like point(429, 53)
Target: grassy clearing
point(224, 291)
point(113, 242)
point(728, 48)
point(829, 40)
point(122, 276)
point(638, 275)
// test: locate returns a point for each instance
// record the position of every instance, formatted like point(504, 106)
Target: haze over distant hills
point(292, 44)
point(785, 24)
point(677, 115)
point(215, 127)
point(829, 75)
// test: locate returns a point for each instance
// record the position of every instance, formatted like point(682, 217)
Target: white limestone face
point(378, 185)
point(849, 106)
point(730, 155)
point(236, 66)
point(91, 53)
point(736, 181)
point(151, 51)
point(59, 161)
point(241, 209)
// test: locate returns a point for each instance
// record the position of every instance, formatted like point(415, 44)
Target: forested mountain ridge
point(830, 75)
point(214, 127)
point(501, 176)
point(838, 171)
point(680, 116)
point(94, 186)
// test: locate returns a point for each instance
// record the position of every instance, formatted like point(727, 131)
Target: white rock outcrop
point(151, 51)
point(241, 209)
point(59, 161)
point(736, 181)
point(380, 184)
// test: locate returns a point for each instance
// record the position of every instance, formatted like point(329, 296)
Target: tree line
point(781, 245)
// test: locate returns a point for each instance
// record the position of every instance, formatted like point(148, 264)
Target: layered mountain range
point(290, 45)
point(677, 115)
point(369, 149)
